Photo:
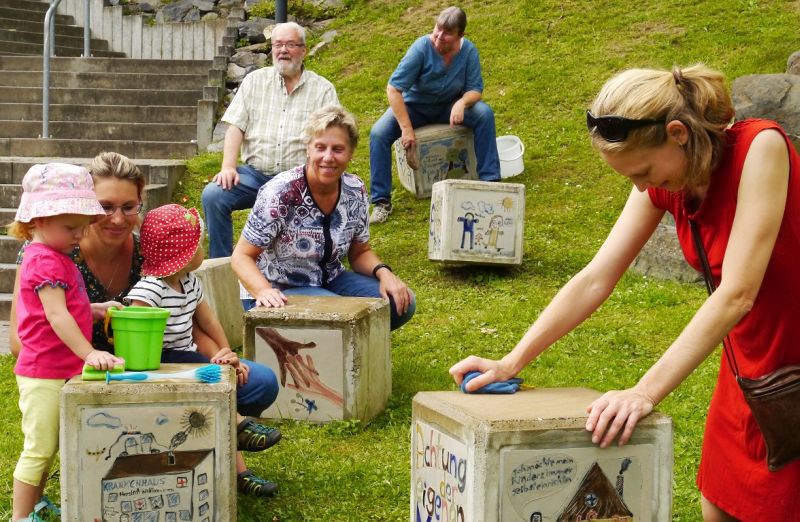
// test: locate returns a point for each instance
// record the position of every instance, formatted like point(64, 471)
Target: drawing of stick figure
point(494, 231)
point(469, 228)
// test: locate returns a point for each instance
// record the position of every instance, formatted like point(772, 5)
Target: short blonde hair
point(696, 96)
point(331, 116)
point(114, 165)
point(21, 231)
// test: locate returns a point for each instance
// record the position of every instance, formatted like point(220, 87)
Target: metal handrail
point(48, 50)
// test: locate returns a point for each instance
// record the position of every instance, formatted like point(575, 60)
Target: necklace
point(94, 266)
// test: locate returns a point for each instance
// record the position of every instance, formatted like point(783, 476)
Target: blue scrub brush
point(209, 373)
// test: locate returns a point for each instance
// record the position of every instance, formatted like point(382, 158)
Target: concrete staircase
point(153, 111)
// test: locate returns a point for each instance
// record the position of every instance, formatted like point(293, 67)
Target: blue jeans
point(219, 203)
point(479, 118)
point(252, 398)
point(349, 284)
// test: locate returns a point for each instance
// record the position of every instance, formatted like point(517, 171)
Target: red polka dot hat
point(169, 238)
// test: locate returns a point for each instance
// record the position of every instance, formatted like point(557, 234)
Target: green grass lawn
point(543, 62)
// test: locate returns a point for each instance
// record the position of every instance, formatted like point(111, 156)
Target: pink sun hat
point(54, 189)
point(169, 238)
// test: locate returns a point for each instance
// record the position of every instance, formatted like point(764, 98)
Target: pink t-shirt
point(43, 354)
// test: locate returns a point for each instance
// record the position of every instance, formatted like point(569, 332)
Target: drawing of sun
point(196, 422)
point(507, 203)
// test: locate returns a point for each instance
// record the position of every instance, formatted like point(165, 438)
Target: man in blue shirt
point(437, 81)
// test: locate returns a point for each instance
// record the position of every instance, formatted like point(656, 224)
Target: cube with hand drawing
point(332, 356)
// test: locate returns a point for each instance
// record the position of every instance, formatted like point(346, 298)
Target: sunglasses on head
point(615, 128)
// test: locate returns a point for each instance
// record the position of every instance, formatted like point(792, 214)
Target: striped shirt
point(272, 120)
point(181, 306)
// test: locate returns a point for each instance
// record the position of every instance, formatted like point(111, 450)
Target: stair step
point(155, 171)
point(12, 13)
point(27, 5)
point(102, 96)
point(73, 80)
point(38, 27)
point(19, 48)
point(9, 247)
point(71, 148)
point(5, 308)
point(13, 35)
point(110, 113)
point(90, 130)
point(106, 65)
point(8, 272)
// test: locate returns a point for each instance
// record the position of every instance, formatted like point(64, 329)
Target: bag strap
point(710, 286)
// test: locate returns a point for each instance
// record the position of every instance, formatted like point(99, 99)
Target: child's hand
point(100, 360)
point(99, 310)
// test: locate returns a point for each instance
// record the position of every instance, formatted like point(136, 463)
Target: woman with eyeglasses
point(670, 133)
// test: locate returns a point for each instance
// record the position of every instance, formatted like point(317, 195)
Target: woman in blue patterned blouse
point(307, 220)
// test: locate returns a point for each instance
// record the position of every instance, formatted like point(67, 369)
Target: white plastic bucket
point(510, 149)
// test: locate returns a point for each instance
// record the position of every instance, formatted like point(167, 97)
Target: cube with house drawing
point(160, 451)
point(332, 356)
point(442, 153)
point(527, 457)
point(476, 222)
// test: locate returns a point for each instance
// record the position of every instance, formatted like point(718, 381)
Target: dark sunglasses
point(615, 128)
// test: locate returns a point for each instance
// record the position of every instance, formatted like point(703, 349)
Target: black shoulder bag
point(774, 399)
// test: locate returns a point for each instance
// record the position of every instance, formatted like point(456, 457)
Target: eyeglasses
point(127, 209)
point(615, 128)
point(288, 45)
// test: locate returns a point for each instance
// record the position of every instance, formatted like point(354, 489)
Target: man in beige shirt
point(266, 119)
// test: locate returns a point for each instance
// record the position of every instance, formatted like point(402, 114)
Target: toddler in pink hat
point(54, 317)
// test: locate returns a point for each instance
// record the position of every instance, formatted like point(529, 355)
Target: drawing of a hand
point(284, 348)
point(306, 379)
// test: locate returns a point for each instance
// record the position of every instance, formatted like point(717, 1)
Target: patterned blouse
point(302, 245)
point(97, 292)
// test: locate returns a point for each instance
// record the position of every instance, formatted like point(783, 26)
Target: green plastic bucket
point(139, 335)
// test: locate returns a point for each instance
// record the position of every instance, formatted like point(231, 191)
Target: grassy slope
point(543, 62)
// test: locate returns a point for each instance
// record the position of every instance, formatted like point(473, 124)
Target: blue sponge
point(509, 386)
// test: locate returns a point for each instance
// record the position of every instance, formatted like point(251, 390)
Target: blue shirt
point(423, 77)
point(302, 246)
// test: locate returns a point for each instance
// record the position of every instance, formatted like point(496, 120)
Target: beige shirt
point(272, 120)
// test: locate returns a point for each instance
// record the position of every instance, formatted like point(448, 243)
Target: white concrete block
point(346, 366)
point(154, 450)
point(442, 153)
point(221, 290)
point(136, 37)
point(476, 222)
point(127, 37)
point(117, 31)
point(527, 457)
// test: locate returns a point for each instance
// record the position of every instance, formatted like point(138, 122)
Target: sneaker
point(33, 517)
point(255, 486)
point(380, 212)
point(252, 436)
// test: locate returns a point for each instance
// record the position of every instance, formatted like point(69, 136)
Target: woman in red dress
point(669, 132)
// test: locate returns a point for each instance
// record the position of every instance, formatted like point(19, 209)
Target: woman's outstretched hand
point(492, 371)
point(616, 413)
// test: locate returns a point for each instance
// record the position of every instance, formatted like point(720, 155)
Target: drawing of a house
point(597, 500)
point(160, 487)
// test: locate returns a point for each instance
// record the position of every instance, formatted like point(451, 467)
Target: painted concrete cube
point(332, 356)
point(442, 153)
point(527, 457)
point(142, 451)
point(476, 222)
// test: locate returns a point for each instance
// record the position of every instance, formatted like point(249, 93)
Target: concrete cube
point(527, 457)
point(476, 222)
point(160, 451)
point(332, 356)
point(442, 153)
point(221, 289)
